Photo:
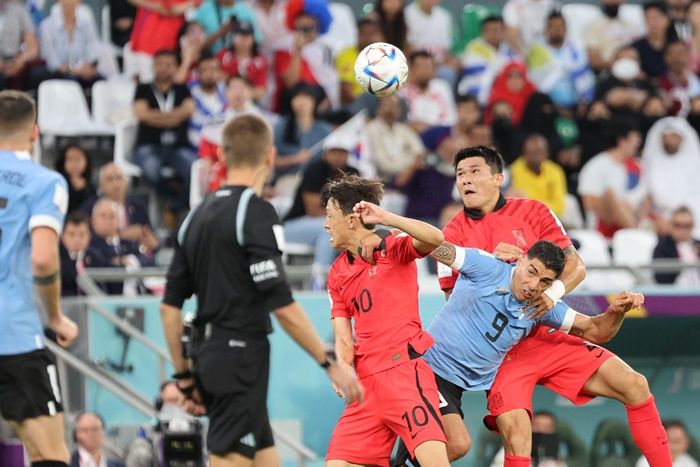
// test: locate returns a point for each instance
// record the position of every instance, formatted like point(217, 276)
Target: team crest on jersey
point(495, 401)
point(519, 238)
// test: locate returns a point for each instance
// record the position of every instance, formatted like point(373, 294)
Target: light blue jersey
point(480, 322)
point(30, 196)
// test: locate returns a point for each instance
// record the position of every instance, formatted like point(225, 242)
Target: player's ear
point(498, 179)
point(35, 133)
point(271, 155)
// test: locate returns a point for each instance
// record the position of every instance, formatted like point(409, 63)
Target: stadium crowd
point(603, 123)
point(607, 111)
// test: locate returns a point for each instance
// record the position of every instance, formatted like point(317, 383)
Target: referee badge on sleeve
point(278, 230)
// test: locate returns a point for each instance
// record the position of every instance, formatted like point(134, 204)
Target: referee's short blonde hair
point(246, 141)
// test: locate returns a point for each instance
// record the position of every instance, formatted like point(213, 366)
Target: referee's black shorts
point(29, 386)
point(232, 375)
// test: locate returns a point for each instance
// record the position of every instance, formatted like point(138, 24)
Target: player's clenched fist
point(625, 302)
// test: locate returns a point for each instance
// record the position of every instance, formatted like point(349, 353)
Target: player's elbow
point(44, 262)
point(286, 315)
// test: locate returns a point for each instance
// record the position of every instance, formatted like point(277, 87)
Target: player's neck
point(16, 146)
point(352, 245)
point(489, 207)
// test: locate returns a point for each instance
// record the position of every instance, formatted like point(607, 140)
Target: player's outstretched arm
point(47, 282)
point(425, 236)
point(297, 325)
point(602, 328)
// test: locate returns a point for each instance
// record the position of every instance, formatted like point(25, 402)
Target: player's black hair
point(60, 163)
point(77, 218)
point(419, 54)
point(491, 156)
point(491, 19)
point(550, 254)
point(656, 5)
point(348, 190)
point(467, 99)
point(617, 127)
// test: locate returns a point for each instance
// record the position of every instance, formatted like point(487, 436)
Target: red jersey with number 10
point(517, 221)
point(382, 299)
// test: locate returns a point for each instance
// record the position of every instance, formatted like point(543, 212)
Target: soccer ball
point(381, 69)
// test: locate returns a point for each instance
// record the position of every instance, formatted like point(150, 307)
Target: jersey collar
point(476, 214)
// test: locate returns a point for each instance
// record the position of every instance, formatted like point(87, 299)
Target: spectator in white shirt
point(430, 100)
point(525, 21)
point(678, 442)
point(605, 35)
point(209, 95)
point(430, 28)
point(89, 439)
point(393, 145)
point(609, 184)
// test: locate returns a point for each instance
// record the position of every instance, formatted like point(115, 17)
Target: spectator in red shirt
point(243, 59)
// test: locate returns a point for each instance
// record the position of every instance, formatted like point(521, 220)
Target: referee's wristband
point(330, 359)
point(183, 375)
point(555, 291)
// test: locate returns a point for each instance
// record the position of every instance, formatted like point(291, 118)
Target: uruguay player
point(33, 203)
point(482, 321)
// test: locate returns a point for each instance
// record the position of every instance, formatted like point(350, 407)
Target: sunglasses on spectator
point(306, 29)
point(682, 225)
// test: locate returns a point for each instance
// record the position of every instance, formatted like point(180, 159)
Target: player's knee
point(458, 448)
point(637, 389)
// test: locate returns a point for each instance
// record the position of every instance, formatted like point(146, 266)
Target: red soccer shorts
point(555, 360)
point(402, 401)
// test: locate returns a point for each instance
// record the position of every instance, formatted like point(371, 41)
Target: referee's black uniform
point(227, 253)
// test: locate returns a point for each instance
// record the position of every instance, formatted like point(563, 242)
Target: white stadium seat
point(199, 181)
point(634, 247)
point(112, 100)
point(63, 110)
point(124, 140)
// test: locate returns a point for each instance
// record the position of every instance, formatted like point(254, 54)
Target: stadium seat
point(137, 65)
point(578, 16)
point(572, 218)
point(199, 182)
point(613, 445)
point(63, 110)
point(112, 100)
point(633, 247)
point(124, 139)
point(593, 247)
point(343, 31)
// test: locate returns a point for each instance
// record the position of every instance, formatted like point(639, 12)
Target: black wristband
point(182, 375)
point(186, 391)
point(46, 280)
point(330, 359)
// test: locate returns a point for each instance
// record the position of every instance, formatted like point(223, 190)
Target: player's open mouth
point(527, 294)
point(469, 192)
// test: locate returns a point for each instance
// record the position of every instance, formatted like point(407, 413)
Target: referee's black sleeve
point(263, 238)
point(180, 285)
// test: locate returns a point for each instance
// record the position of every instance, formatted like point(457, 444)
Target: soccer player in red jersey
point(401, 396)
point(568, 365)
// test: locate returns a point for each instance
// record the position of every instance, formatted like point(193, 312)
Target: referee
point(228, 254)
point(33, 202)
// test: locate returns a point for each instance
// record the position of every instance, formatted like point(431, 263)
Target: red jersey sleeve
point(446, 275)
point(338, 308)
point(258, 71)
point(550, 227)
point(401, 248)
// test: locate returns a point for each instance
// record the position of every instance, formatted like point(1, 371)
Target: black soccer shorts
point(29, 386)
point(232, 375)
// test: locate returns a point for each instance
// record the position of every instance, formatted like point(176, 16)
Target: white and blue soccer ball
point(381, 69)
